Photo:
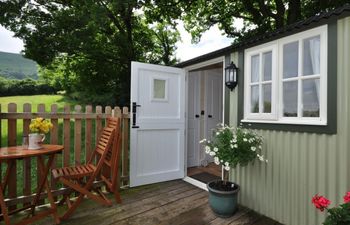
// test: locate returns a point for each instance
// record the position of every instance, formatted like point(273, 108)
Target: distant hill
point(15, 66)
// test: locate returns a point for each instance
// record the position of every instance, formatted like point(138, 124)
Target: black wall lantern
point(231, 76)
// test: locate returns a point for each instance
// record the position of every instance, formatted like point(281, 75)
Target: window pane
point(311, 56)
point(311, 98)
point(254, 107)
point(255, 68)
point(290, 60)
point(290, 99)
point(267, 64)
point(159, 89)
point(267, 98)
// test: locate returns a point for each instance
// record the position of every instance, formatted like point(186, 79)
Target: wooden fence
point(74, 128)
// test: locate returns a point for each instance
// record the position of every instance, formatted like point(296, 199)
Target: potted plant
point(230, 147)
point(38, 128)
point(339, 215)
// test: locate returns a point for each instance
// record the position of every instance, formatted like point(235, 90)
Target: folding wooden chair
point(80, 178)
point(110, 170)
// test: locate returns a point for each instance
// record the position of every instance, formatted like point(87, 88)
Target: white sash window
point(286, 80)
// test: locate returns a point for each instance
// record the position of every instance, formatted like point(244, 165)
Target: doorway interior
point(205, 111)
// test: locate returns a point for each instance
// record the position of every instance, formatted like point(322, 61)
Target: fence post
point(66, 137)
point(54, 140)
point(88, 134)
point(125, 144)
point(27, 176)
point(98, 123)
point(41, 109)
point(77, 137)
point(12, 141)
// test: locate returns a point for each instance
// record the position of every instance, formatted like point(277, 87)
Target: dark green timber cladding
point(331, 127)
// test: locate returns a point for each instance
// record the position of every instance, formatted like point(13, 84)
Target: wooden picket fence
point(77, 130)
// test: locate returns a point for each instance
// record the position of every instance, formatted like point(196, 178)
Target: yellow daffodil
point(40, 125)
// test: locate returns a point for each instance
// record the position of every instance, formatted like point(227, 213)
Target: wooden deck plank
point(168, 203)
point(161, 215)
point(225, 221)
point(124, 211)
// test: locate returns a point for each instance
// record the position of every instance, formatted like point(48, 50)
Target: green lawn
point(35, 100)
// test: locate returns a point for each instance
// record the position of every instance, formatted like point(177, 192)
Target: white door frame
point(187, 70)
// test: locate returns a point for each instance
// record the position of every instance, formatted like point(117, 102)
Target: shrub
point(24, 87)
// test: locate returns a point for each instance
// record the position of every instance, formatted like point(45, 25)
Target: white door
point(157, 123)
point(193, 114)
point(213, 102)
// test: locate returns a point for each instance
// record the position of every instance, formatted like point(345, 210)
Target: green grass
point(15, 66)
point(35, 100)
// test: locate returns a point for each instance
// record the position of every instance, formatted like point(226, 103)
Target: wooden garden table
point(9, 155)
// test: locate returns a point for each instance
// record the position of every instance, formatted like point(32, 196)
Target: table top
point(18, 152)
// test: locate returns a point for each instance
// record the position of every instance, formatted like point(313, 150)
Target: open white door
point(213, 103)
point(193, 119)
point(157, 132)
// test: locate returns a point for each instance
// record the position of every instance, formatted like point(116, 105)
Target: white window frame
point(260, 50)
point(276, 115)
point(153, 99)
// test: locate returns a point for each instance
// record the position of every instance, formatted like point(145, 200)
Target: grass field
point(35, 100)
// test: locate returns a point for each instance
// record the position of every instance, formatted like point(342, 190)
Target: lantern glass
point(231, 76)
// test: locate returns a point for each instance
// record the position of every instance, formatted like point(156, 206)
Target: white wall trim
point(196, 183)
point(205, 63)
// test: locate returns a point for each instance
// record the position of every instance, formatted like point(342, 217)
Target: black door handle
point(210, 116)
point(197, 116)
point(134, 107)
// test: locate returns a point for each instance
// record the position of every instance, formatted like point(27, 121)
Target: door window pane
point(255, 68)
point(311, 56)
point(267, 65)
point(290, 99)
point(290, 60)
point(159, 89)
point(267, 98)
point(311, 98)
point(254, 99)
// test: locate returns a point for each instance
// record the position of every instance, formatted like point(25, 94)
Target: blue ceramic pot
point(223, 202)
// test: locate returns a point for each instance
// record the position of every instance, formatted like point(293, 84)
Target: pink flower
point(320, 202)
point(347, 197)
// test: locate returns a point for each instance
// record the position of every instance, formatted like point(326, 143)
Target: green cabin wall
point(300, 164)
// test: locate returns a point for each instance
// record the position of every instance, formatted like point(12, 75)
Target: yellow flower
point(40, 125)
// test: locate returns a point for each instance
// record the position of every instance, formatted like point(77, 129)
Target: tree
point(94, 40)
point(258, 16)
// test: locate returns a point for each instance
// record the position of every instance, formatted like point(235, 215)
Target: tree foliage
point(258, 16)
point(92, 43)
point(9, 87)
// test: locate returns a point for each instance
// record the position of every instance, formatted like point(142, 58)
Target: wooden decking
point(168, 203)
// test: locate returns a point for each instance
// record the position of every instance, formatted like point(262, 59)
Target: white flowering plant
point(234, 146)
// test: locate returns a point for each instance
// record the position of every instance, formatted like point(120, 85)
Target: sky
point(211, 40)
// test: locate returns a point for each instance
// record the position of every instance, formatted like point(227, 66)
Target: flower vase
point(35, 141)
